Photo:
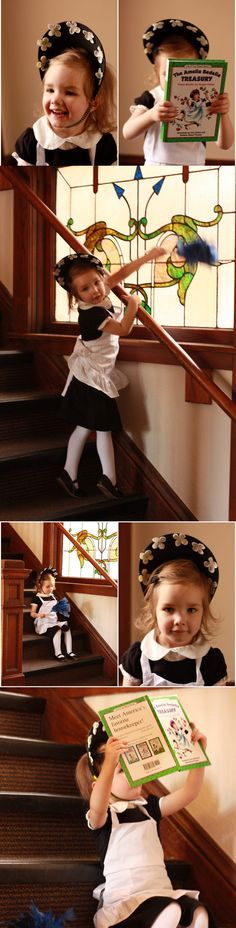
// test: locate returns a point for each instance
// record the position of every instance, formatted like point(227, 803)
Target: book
point(192, 86)
point(158, 735)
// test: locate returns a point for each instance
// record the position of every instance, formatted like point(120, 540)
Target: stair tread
point(28, 448)
point(41, 664)
point(13, 396)
point(22, 702)
point(37, 747)
point(65, 507)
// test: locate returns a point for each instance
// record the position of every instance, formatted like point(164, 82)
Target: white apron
point(41, 625)
point(152, 679)
point(134, 869)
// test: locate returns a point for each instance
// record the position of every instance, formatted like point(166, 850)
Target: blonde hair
point(84, 777)
point(41, 580)
point(181, 571)
point(103, 109)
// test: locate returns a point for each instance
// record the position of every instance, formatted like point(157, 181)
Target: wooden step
point(36, 646)
point(35, 765)
point(57, 884)
point(16, 368)
point(21, 715)
point(63, 673)
point(54, 885)
point(28, 488)
point(27, 414)
point(56, 823)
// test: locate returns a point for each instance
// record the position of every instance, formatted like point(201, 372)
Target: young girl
point(179, 576)
point(51, 618)
point(93, 383)
point(172, 38)
point(137, 892)
point(78, 101)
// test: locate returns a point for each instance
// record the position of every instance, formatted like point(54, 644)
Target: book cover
point(192, 86)
point(158, 735)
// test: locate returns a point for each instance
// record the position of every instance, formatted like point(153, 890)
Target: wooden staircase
point(38, 664)
point(47, 853)
point(33, 449)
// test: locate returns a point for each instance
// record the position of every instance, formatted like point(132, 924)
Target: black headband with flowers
point(174, 547)
point(66, 35)
point(96, 737)
point(62, 269)
point(47, 570)
point(157, 33)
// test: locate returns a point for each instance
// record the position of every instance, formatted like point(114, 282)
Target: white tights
point(57, 641)
point(170, 917)
point(105, 451)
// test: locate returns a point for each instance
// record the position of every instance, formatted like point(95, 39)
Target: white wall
point(32, 534)
point(136, 70)
point(23, 23)
point(220, 538)
point(102, 614)
point(188, 443)
point(213, 711)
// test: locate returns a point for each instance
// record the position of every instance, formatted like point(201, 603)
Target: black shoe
point(72, 656)
point(59, 657)
point(69, 485)
point(108, 488)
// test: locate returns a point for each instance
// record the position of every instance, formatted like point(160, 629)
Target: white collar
point(106, 304)
point(48, 139)
point(155, 651)
point(122, 804)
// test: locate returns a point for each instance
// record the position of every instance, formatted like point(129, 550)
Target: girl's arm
point(101, 791)
point(138, 123)
point(221, 105)
point(34, 612)
point(183, 796)
point(128, 269)
point(124, 327)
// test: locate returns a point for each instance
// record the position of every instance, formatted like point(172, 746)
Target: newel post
point(14, 574)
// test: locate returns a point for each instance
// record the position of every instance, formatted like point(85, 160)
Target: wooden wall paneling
point(13, 577)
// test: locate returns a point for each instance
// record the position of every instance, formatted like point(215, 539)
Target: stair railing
point(229, 406)
point(86, 555)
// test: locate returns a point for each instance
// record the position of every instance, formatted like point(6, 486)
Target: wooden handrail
point(218, 395)
point(87, 556)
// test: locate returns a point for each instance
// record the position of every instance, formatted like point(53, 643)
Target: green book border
point(173, 63)
point(176, 767)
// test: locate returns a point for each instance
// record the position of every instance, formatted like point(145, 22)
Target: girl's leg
point(75, 448)
point(200, 918)
point(169, 918)
point(57, 642)
point(68, 642)
point(105, 451)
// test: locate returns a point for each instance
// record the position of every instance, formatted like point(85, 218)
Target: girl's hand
point(113, 749)
point(198, 736)
point(220, 104)
point(164, 112)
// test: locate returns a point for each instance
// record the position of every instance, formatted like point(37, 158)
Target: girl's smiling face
point(179, 613)
point(64, 99)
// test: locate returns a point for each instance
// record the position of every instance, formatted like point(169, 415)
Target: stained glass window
point(100, 540)
point(135, 208)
